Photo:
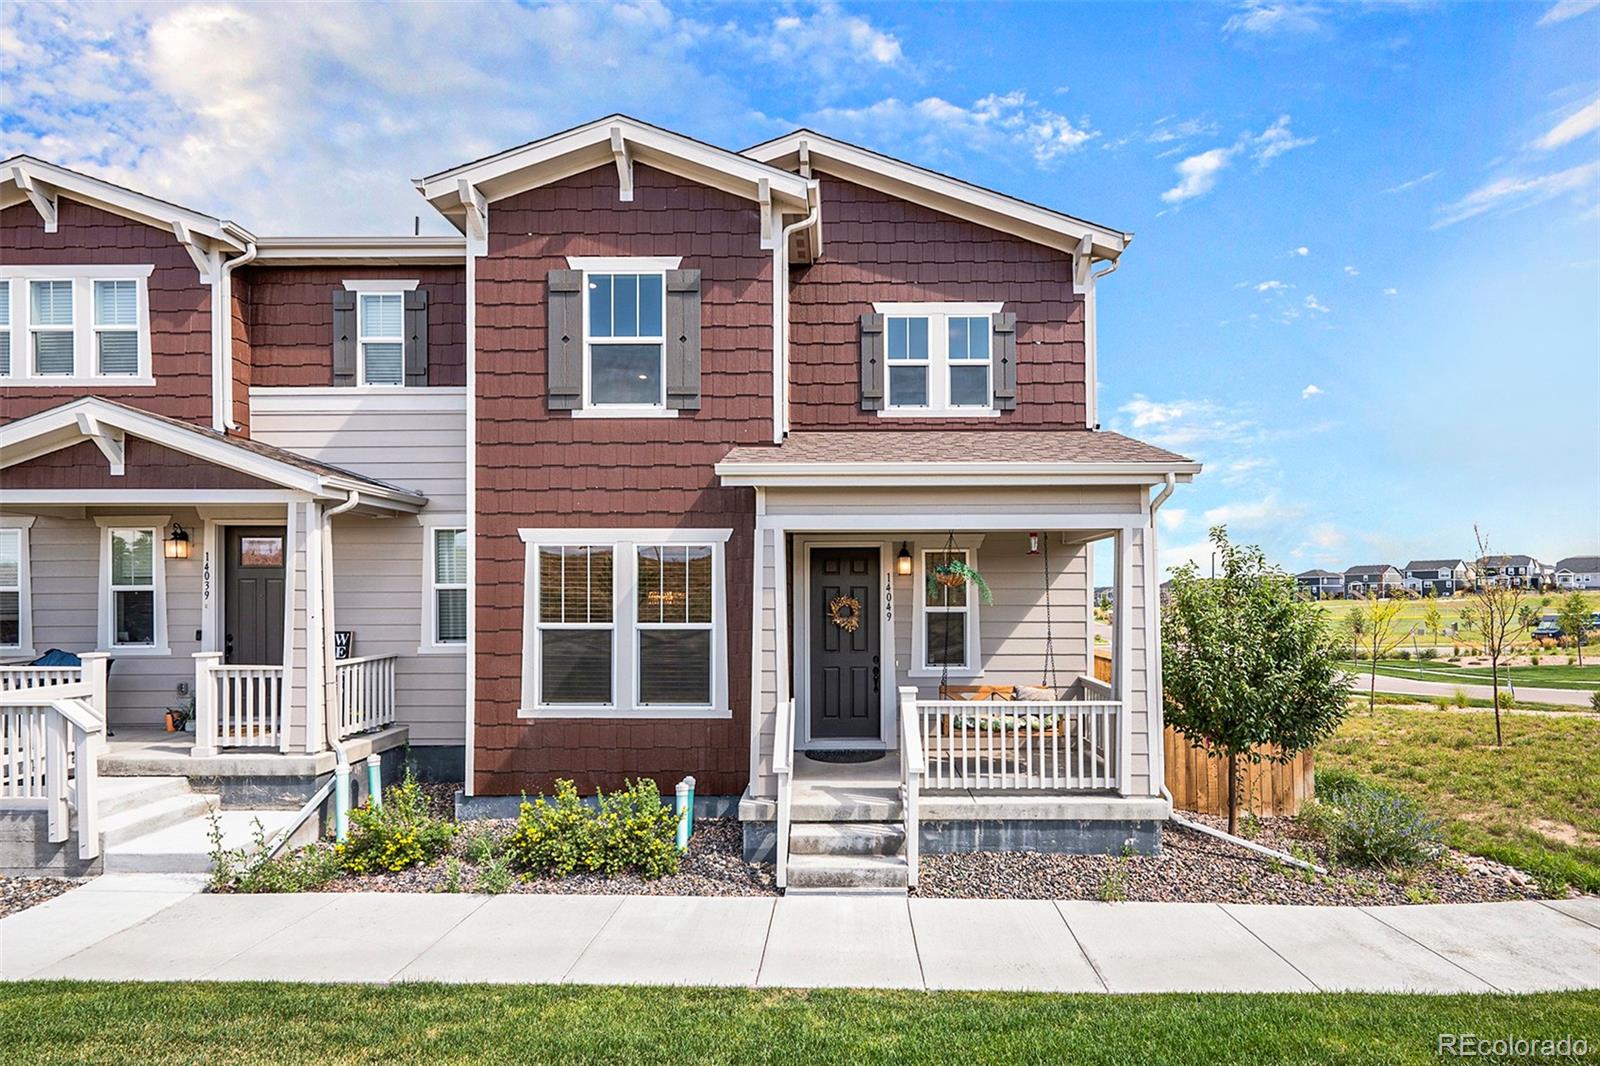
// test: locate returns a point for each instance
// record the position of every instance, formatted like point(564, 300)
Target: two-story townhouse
point(1441, 577)
point(1379, 579)
point(1515, 571)
point(1578, 572)
point(734, 431)
point(1320, 584)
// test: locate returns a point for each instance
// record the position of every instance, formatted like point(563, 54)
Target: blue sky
point(1365, 288)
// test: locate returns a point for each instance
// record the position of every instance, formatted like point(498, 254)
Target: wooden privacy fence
point(1200, 783)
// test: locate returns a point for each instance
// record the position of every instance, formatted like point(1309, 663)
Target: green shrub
point(1594, 701)
point(1505, 700)
point(1460, 698)
point(1364, 824)
point(1403, 654)
point(1428, 653)
point(400, 834)
point(250, 869)
point(496, 877)
point(482, 846)
point(551, 837)
point(631, 829)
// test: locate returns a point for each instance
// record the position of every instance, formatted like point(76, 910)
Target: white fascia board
point(910, 474)
point(944, 193)
point(125, 202)
point(592, 144)
point(377, 251)
point(630, 534)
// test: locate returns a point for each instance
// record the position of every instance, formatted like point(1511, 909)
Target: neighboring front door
point(252, 598)
point(845, 668)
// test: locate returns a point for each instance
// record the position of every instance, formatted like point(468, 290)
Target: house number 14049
point(888, 598)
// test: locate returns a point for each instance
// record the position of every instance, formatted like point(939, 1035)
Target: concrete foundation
point(26, 850)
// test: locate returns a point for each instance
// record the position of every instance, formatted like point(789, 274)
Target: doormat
point(845, 755)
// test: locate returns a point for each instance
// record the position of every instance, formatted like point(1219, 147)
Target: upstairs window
point(626, 341)
point(939, 358)
point(116, 328)
point(75, 325)
point(381, 338)
point(5, 328)
point(50, 321)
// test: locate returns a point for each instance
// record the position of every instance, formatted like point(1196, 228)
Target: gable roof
point(1370, 568)
point(1435, 564)
point(1506, 560)
point(1581, 564)
point(805, 148)
point(24, 178)
point(1317, 573)
point(616, 139)
point(90, 417)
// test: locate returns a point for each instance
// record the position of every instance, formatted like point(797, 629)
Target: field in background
point(1545, 675)
point(1450, 608)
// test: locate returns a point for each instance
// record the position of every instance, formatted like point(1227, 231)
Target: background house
point(1377, 577)
point(1517, 571)
point(1444, 577)
point(1578, 572)
point(1320, 584)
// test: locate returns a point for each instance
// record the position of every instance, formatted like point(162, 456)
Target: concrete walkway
point(1561, 697)
point(147, 927)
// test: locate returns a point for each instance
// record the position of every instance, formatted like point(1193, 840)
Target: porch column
point(205, 703)
point(1121, 652)
point(758, 643)
point(314, 634)
point(96, 667)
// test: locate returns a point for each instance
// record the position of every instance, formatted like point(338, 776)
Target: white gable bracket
point(805, 159)
point(204, 261)
point(1082, 259)
point(477, 219)
point(111, 442)
point(764, 197)
point(624, 158)
point(42, 196)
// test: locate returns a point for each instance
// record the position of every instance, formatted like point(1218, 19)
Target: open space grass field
point(1545, 675)
point(1410, 620)
point(257, 1023)
point(1535, 803)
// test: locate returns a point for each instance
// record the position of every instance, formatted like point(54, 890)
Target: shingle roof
point(957, 446)
point(1506, 560)
point(1434, 564)
point(1318, 573)
point(1582, 564)
point(1371, 568)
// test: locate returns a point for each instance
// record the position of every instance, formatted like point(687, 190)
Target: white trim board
point(800, 579)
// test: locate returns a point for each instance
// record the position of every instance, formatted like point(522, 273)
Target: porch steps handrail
point(48, 758)
point(913, 768)
point(1022, 745)
point(366, 688)
point(783, 768)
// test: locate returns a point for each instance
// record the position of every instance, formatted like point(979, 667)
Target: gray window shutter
point(565, 339)
point(683, 340)
point(416, 324)
point(872, 358)
point(1005, 360)
point(344, 337)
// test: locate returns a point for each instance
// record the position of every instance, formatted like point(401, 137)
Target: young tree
point(1433, 621)
point(1247, 664)
point(1498, 613)
point(1573, 618)
point(1355, 627)
point(1380, 637)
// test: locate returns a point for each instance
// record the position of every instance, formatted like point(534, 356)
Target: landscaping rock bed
point(20, 893)
point(1195, 868)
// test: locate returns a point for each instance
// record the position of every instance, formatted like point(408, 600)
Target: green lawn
point(1534, 803)
point(1545, 675)
point(250, 1023)
point(1450, 608)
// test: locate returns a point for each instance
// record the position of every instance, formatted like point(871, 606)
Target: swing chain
point(1048, 675)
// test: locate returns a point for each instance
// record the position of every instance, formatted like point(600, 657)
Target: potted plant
point(955, 573)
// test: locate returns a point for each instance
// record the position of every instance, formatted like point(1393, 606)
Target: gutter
point(226, 298)
point(780, 315)
point(330, 708)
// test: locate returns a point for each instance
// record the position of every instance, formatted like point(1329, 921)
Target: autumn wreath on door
point(845, 612)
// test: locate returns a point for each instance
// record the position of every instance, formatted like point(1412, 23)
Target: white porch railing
point(366, 693)
point(50, 730)
point(237, 706)
point(913, 768)
point(783, 767)
point(1021, 745)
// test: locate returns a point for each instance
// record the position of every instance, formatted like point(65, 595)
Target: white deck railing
point(366, 693)
point(51, 725)
point(783, 767)
point(237, 706)
point(913, 769)
point(1020, 745)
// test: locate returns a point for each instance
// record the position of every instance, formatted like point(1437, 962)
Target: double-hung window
point(946, 633)
point(625, 623)
point(939, 359)
point(624, 334)
point(448, 550)
point(14, 622)
point(132, 593)
point(5, 328)
point(380, 333)
point(75, 324)
point(50, 320)
point(116, 328)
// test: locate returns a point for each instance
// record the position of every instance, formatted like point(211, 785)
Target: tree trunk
point(1233, 794)
point(1372, 689)
point(1494, 673)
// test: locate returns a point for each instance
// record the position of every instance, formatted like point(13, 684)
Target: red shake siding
point(878, 248)
point(538, 468)
point(239, 324)
point(148, 466)
point(180, 307)
point(290, 321)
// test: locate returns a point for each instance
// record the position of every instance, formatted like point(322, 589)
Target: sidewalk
point(149, 927)
point(1563, 697)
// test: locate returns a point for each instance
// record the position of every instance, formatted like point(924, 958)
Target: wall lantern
point(1033, 544)
point(902, 562)
point(177, 543)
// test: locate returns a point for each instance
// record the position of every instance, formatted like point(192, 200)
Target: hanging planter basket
point(957, 573)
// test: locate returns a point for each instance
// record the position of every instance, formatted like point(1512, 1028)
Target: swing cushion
point(1039, 694)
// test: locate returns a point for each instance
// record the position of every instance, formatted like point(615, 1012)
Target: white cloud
point(1272, 285)
point(1301, 251)
point(1145, 413)
point(1172, 518)
point(1352, 272)
point(1312, 304)
point(1198, 174)
point(1562, 10)
point(1277, 139)
point(1580, 123)
point(1165, 130)
point(1248, 514)
point(828, 47)
point(1520, 193)
point(1310, 391)
point(1260, 19)
point(938, 127)
point(1242, 469)
point(1413, 183)
point(1391, 292)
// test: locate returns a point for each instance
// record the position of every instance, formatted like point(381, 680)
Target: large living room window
point(68, 325)
point(625, 623)
point(940, 359)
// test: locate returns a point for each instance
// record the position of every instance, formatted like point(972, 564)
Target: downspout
point(1172, 815)
point(780, 316)
point(330, 681)
point(1091, 327)
point(228, 267)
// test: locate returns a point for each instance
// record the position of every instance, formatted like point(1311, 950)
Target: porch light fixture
point(902, 562)
point(177, 543)
point(1033, 544)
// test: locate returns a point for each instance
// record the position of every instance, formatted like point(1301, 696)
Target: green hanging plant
point(956, 573)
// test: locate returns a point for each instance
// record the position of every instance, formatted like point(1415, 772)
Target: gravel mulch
point(713, 866)
point(20, 893)
point(1195, 868)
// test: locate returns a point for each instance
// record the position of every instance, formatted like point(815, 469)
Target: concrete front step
point(146, 818)
point(119, 795)
point(846, 805)
point(846, 838)
point(185, 846)
point(847, 872)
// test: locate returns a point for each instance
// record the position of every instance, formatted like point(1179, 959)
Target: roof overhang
point(373, 251)
point(953, 475)
point(26, 179)
point(108, 424)
point(464, 191)
point(804, 150)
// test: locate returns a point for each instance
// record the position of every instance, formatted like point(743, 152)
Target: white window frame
point(85, 361)
point(430, 642)
point(20, 527)
point(5, 327)
point(623, 265)
point(920, 666)
point(624, 626)
point(157, 524)
point(939, 364)
point(97, 329)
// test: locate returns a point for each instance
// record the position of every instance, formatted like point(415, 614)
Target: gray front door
point(845, 668)
point(252, 597)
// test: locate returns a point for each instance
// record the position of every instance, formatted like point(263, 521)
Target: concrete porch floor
point(148, 752)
